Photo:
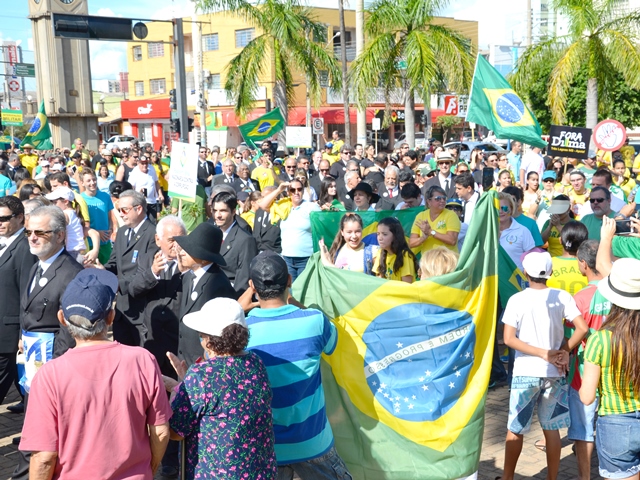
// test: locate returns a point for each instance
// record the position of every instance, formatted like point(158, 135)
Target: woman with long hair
point(394, 260)
point(370, 152)
point(29, 188)
point(532, 195)
point(347, 251)
point(309, 194)
point(105, 177)
point(476, 158)
point(566, 271)
point(251, 207)
point(328, 194)
point(612, 367)
point(504, 180)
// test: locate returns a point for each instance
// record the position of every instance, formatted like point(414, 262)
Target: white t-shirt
point(516, 240)
point(537, 316)
point(532, 162)
point(75, 232)
point(139, 180)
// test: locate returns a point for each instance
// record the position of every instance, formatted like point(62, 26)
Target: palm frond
point(385, 16)
point(561, 78)
point(454, 55)
point(624, 56)
point(533, 58)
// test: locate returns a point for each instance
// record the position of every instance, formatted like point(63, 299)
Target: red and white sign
point(609, 135)
point(451, 105)
point(145, 109)
point(14, 85)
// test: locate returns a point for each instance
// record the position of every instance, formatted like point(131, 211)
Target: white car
point(120, 141)
point(420, 140)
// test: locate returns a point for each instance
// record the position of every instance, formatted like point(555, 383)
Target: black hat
point(203, 243)
point(366, 188)
point(268, 269)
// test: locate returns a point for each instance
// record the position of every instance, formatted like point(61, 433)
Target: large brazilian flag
point(262, 128)
point(39, 134)
point(407, 382)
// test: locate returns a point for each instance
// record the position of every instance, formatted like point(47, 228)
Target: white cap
point(106, 152)
point(44, 163)
point(57, 167)
point(215, 316)
point(538, 264)
point(61, 192)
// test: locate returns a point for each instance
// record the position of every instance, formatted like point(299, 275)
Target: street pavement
point(532, 463)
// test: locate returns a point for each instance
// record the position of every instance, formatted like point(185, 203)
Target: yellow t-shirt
point(84, 153)
point(577, 200)
point(408, 267)
point(337, 145)
point(626, 185)
point(636, 163)
point(84, 209)
point(264, 176)
point(249, 217)
point(554, 243)
point(30, 162)
point(280, 209)
point(566, 275)
point(628, 152)
point(160, 172)
point(447, 221)
point(330, 158)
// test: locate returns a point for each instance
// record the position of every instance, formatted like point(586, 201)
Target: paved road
point(532, 462)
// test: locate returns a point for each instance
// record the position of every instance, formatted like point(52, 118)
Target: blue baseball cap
point(90, 294)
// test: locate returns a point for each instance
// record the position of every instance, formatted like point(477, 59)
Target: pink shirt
point(92, 405)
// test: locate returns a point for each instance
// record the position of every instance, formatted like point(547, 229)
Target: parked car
point(420, 140)
point(120, 141)
point(467, 147)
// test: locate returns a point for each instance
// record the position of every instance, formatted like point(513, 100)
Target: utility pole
point(529, 24)
point(181, 79)
point(198, 76)
point(345, 82)
point(362, 113)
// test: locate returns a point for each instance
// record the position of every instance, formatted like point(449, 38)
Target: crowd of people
point(92, 243)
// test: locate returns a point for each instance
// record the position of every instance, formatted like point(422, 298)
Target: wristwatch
point(433, 232)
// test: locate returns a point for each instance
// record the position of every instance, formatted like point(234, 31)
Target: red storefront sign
point(145, 109)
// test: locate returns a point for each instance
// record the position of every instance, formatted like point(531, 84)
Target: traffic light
point(175, 125)
point(173, 103)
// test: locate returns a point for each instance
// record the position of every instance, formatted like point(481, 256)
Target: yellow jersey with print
point(30, 162)
point(407, 269)
point(264, 176)
point(566, 275)
point(447, 221)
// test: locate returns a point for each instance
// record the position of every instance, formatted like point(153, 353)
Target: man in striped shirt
point(290, 341)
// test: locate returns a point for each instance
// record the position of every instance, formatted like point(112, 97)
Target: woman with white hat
point(612, 366)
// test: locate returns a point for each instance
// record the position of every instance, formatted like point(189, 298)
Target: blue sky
point(108, 58)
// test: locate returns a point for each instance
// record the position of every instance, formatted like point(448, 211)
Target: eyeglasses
point(38, 233)
point(125, 210)
point(294, 190)
point(597, 200)
point(289, 167)
point(444, 163)
point(438, 199)
point(504, 208)
point(132, 156)
point(6, 218)
point(325, 169)
point(347, 153)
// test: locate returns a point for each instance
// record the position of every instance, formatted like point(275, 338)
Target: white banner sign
point(183, 173)
point(298, 137)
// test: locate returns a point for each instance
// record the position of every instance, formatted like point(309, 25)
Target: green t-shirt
point(626, 247)
point(594, 224)
point(193, 214)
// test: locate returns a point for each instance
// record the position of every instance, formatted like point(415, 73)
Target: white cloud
point(178, 9)
point(107, 12)
point(107, 59)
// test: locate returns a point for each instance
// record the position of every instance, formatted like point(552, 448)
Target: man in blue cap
point(99, 391)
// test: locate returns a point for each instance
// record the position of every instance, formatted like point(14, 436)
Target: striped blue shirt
point(290, 341)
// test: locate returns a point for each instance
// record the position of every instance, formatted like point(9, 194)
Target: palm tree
point(403, 31)
point(284, 44)
point(600, 37)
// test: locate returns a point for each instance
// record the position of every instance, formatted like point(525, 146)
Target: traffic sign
point(14, 85)
point(375, 124)
point(12, 118)
point(24, 70)
point(451, 105)
point(609, 135)
point(318, 126)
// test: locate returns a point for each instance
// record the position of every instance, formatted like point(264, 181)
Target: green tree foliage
point(446, 122)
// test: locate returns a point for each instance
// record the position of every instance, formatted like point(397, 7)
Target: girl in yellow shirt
point(566, 271)
point(394, 260)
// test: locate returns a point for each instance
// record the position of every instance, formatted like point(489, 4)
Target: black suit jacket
point(221, 179)
point(345, 198)
point(285, 177)
point(239, 185)
point(451, 191)
point(162, 311)
point(15, 265)
point(238, 249)
point(40, 308)
point(204, 171)
point(267, 235)
point(213, 284)
point(124, 262)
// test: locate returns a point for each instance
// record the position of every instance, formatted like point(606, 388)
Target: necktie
point(168, 272)
point(2, 246)
point(36, 279)
point(129, 235)
point(391, 193)
point(446, 186)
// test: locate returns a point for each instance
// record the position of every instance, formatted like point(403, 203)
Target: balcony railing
point(351, 51)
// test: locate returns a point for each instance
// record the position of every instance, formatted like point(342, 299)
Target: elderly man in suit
point(228, 175)
point(238, 247)
point(134, 247)
point(42, 336)
point(15, 264)
point(199, 257)
point(244, 181)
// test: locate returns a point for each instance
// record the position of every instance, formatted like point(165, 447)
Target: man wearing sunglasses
point(288, 173)
point(444, 179)
point(339, 168)
point(600, 201)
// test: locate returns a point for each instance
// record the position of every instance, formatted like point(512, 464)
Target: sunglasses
point(347, 153)
point(504, 208)
point(444, 163)
point(38, 233)
point(289, 168)
point(325, 169)
point(125, 210)
point(294, 190)
point(438, 199)
point(548, 180)
point(6, 218)
point(597, 200)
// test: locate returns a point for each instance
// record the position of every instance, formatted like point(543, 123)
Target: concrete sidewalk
point(532, 463)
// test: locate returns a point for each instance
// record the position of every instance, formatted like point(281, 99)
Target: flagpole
point(473, 81)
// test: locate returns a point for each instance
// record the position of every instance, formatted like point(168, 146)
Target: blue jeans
point(295, 265)
point(327, 467)
point(618, 445)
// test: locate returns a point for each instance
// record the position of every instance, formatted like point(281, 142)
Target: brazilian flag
point(262, 128)
point(39, 134)
point(406, 386)
point(494, 104)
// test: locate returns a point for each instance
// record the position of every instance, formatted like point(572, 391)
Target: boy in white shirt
point(533, 327)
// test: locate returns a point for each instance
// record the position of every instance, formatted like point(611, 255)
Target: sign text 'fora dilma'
point(569, 141)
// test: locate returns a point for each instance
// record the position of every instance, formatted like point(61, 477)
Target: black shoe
point(16, 440)
point(17, 408)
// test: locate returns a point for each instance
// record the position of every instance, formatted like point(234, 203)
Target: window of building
point(139, 89)
point(244, 36)
point(137, 53)
point(157, 86)
point(156, 50)
point(214, 81)
point(210, 42)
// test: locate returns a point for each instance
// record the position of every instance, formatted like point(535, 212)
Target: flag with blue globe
point(39, 134)
point(262, 128)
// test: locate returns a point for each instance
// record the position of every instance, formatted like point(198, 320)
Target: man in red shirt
point(99, 393)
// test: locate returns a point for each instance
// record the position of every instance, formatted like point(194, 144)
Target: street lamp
point(308, 117)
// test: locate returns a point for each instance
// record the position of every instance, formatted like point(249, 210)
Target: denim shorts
point(326, 467)
point(549, 394)
point(618, 444)
point(583, 418)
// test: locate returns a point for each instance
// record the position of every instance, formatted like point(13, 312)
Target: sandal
point(540, 445)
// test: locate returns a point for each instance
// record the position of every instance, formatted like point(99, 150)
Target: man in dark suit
point(376, 173)
point(134, 247)
point(43, 338)
point(289, 172)
point(444, 178)
point(267, 234)
point(206, 170)
point(228, 175)
point(238, 247)
point(15, 264)
point(199, 257)
point(14, 166)
point(244, 181)
point(389, 190)
point(323, 171)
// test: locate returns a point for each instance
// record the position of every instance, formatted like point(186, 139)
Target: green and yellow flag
point(494, 104)
point(39, 134)
point(262, 128)
point(406, 385)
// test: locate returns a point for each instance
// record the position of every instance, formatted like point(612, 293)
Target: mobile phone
point(144, 192)
point(623, 227)
point(487, 178)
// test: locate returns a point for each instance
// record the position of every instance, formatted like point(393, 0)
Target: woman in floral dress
point(222, 408)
